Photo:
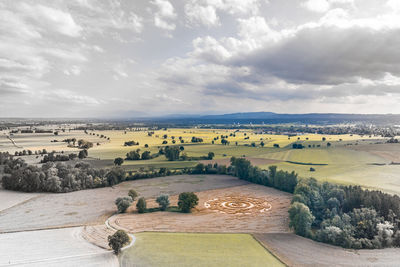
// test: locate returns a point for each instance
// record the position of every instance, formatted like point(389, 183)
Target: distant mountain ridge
point(271, 117)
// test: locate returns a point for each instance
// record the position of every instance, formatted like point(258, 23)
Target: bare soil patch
point(241, 209)
point(299, 251)
point(88, 207)
point(254, 161)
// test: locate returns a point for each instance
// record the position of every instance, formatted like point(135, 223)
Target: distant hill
point(273, 118)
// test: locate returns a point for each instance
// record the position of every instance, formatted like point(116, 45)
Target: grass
point(193, 249)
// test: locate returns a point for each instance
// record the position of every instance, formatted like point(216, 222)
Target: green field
point(344, 162)
point(184, 249)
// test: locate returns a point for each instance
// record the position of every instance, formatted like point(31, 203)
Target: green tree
point(123, 203)
point(146, 155)
point(163, 201)
point(118, 240)
point(83, 154)
point(187, 201)
point(172, 153)
point(115, 176)
point(118, 161)
point(133, 155)
point(141, 205)
point(133, 194)
point(300, 219)
point(210, 155)
point(242, 167)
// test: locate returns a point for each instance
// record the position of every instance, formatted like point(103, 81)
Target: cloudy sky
point(97, 58)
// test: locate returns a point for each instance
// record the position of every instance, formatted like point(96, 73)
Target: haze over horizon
point(112, 58)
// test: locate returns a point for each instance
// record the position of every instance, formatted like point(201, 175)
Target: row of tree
point(52, 177)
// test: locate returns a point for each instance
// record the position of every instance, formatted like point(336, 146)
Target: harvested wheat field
point(295, 250)
point(94, 206)
point(241, 209)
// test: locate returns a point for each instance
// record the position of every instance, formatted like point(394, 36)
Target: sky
point(115, 58)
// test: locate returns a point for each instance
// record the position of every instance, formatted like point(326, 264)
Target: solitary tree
point(187, 201)
point(210, 155)
point(118, 161)
point(118, 240)
point(83, 154)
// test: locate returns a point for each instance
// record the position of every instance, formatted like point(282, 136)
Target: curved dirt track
point(58, 247)
point(222, 219)
point(299, 251)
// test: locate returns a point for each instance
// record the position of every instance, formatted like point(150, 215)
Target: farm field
point(183, 249)
point(344, 163)
point(58, 247)
point(351, 159)
point(10, 199)
point(95, 205)
point(294, 250)
point(240, 209)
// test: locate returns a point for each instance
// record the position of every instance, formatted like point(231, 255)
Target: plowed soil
point(241, 209)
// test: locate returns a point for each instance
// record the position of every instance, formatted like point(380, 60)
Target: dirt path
point(298, 251)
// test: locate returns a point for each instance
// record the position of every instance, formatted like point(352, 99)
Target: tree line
point(346, 216)
point(57, 177)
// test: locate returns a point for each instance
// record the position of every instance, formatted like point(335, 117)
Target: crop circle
point(238, 205)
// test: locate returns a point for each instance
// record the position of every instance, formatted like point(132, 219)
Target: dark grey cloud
point(329, 56)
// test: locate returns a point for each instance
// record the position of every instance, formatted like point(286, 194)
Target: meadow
point(194, 249)
point(349, 159)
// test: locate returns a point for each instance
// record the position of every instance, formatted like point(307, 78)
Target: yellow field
point(345, 163)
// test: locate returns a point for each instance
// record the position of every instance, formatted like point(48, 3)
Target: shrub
point(133, 194)
point(163, 201)
point(123, 203)
point(118, 240)
point(141, 205)
point(187, 201)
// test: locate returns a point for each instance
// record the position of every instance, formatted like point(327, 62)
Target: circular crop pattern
point(238, 205)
